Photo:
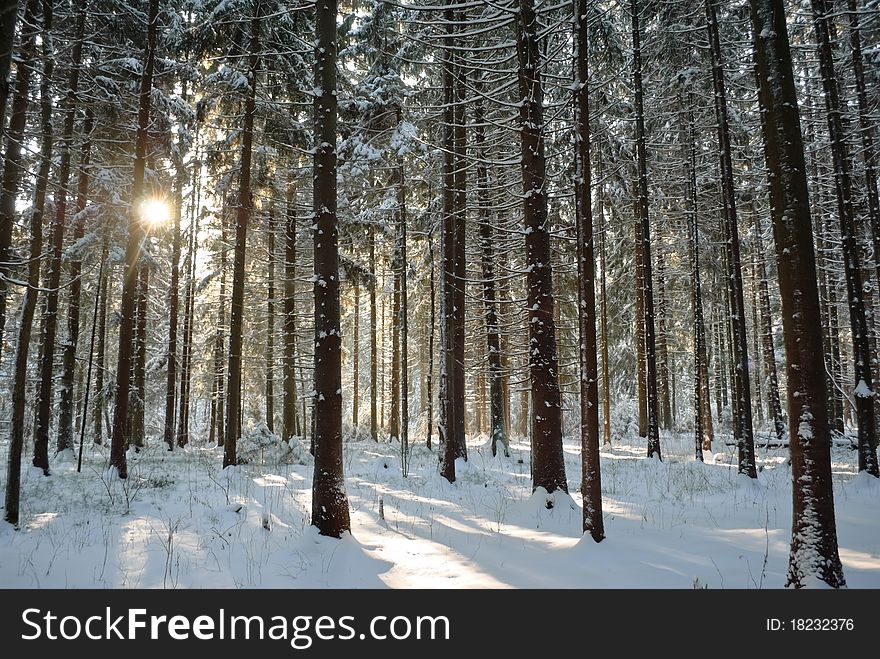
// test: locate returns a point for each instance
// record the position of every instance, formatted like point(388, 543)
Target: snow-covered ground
point(181, 521)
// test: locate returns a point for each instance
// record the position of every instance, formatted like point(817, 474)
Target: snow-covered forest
point(439, 293)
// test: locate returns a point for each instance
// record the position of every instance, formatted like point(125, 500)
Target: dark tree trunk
point(766, 321)
point(493, 339)
point(591, 483)
point(174, 305)
point(100, 358)
point(664, 399)
point(218, 413)
point(68, 367)
point(137, 428)
point(8, 21)
point(52, 276)
point(703, 431)
point(866, 129)
point(641, 361)
point(452, 423)
point(132, 253)
point(355, 351)
point(863, 393)
point(28, 306)
point(403, 322)
point(814, 554)
point(289, 325)
point(742, 420)
point(644, 238)
point(548, 465)
point(374, 348)
point(329, 501)
point(187, 347)
point(270, 329)
point(12, 165)
point(394, 407)
point(603, 317)
point(433, 320)
point(242, 219)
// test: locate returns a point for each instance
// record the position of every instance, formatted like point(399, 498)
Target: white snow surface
point(180, 521)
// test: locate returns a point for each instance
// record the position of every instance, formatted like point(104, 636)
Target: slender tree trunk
point(452, 394)
point(52, 276)
point(814, 554)
point(742, 422)
point(548, 465)
point(187, 348)
point(355, 353)
point(329, 501)
point(28, 309)
point(773, 403)
point(137, 428)
point(132, 253)
point(394, 407)
point(374, 348)
point(8, 21)
point(289, 327)
point(403, 322)
point(703, 429)
point(68, 368)
point(493, 338)
point(641, 370)
point(644, 237)
point(863, 393)
point(866, 129)
point(174, 304)
point(12, 165)
point(100, 358)
point(270, 329)
point(591, 483)
point(664, 401)
point(603, 313)
point(433, 320)
point(243, 217)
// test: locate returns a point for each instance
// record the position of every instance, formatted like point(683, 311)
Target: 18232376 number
point(810, 624)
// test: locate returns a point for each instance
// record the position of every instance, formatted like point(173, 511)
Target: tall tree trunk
point(52, 276)
point(394, 407)
point(452, 394)
point(132, 252)
point(603, 314)
point(703, 429)
point(641, 360)
point(403, 322)
point(68, 368)
point(100, 358)
point(242, 219)
point(769, 350)
point(28, 303)
point(8, 21)
point(289, 325)
point(814, 554)
point(174, 299)
point(548, 465)
point(329, 501)
point(137, 428)
point(742, 421)
point(187, 347)
point(374, 348)
point(270, 329)
point(12, 165)
point(493, 339)
point(644, 238)
point(218, 410)
point(866, 129)
point(863, 393)
point(355, 352)
point(591, 483)
point(664, 400)
point(433, 320)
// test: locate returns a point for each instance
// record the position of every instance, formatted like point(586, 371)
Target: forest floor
point(180, 521)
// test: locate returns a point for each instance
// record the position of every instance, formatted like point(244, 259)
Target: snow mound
point(548, 511)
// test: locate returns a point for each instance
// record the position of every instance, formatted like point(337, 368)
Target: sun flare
point(155, 212)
